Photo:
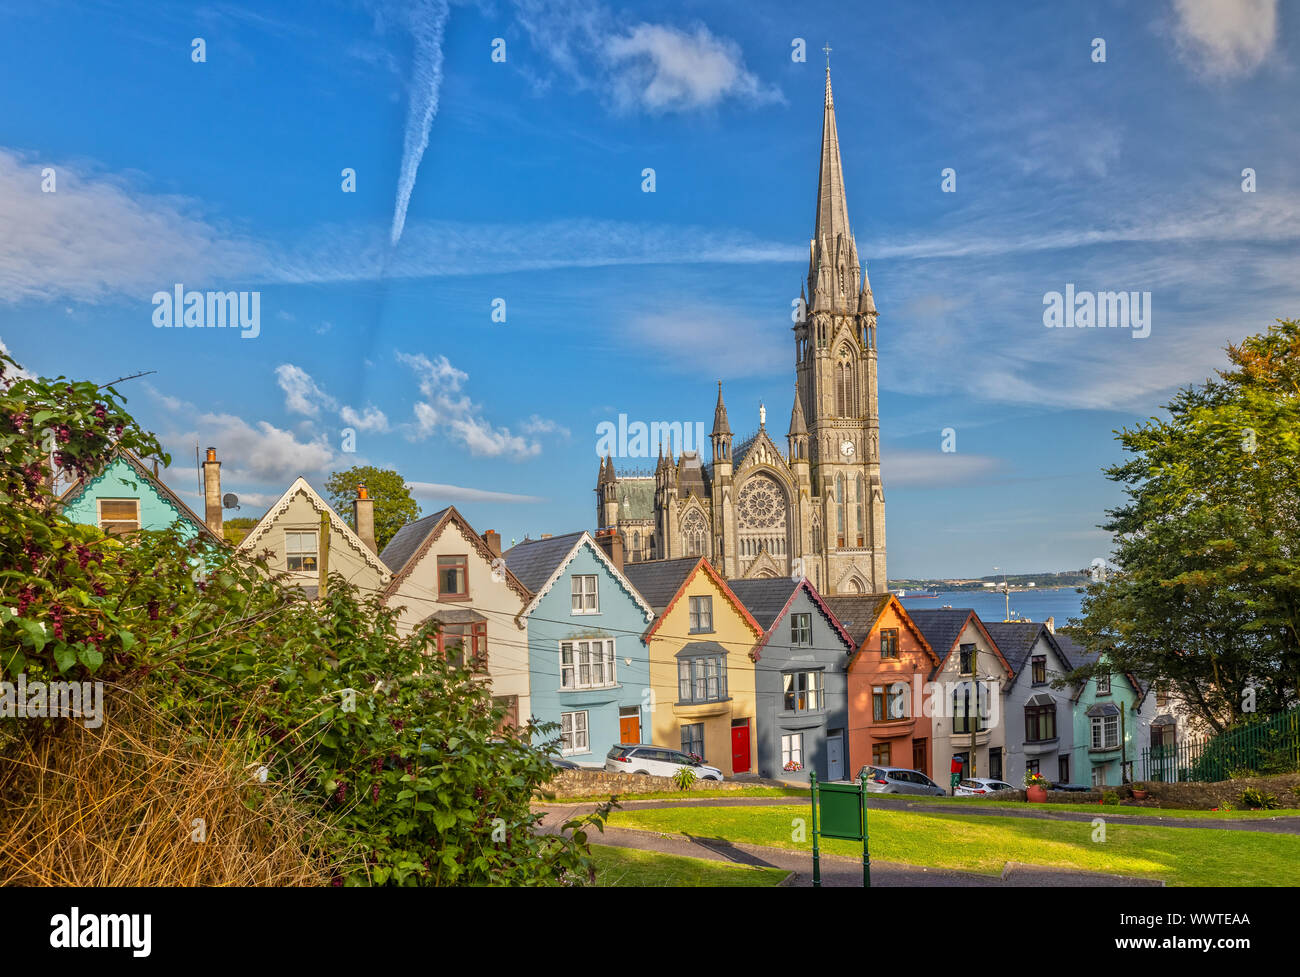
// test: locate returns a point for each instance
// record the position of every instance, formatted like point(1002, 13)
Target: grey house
point(1040, 725)
point(800, 680)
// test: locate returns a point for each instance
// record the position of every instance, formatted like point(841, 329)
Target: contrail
point(427, 19)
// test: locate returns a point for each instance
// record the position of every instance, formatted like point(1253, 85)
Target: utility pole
point(323, 556)
point(975, 679)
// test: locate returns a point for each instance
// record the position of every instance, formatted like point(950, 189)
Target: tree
point(1207, 595)
point(394, 506)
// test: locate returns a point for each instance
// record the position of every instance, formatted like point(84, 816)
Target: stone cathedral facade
point(815, 507)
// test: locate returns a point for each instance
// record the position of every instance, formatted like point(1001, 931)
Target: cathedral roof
point(636, 497)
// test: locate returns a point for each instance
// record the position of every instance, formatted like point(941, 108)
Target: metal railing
point(1265, 746)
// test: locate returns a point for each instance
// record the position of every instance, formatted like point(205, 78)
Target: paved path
point(1278, 825)
point(836, 870)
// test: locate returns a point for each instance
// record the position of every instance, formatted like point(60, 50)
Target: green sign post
point(839, 811)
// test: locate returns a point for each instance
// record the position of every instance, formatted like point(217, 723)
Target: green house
point(1106, 721)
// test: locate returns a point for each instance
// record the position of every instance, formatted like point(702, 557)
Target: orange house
point(887, 726)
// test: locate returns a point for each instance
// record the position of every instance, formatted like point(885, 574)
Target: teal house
point(126, 497)
point(1106, 711)
point(588, 667)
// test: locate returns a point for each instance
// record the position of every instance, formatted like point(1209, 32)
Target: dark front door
point(740, 746)
point(920, 761)
point(995, 763)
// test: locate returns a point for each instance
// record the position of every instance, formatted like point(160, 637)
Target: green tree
point(1207, 597)
point(394, 506)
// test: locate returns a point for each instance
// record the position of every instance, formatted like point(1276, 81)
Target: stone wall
point(601, 783)
point(1204, 797)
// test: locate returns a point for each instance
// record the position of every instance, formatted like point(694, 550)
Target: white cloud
point(301, 394)
point(260, 452)
point(436, 492)
point(1225, 38)
point(446, 407)
point(425, 19)
point(12, 373)
point(371, 419)
point(933, 468)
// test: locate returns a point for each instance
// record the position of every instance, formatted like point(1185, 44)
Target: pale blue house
point(588, 667)
point(126, 497)
point(1107, 719)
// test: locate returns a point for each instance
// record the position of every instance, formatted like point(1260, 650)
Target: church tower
point(835, 352)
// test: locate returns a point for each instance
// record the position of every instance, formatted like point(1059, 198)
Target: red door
point(629, 729)
point(740, 746)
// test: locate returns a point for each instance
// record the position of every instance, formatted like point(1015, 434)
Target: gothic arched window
point(860, 509)
point(845, 401)
point(839, 510)
point(694, 533)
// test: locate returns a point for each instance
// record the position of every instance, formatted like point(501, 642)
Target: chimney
point(611, 541)
point(363, 516)
point(212, 492)
point(493, 540)
point(1051, 624)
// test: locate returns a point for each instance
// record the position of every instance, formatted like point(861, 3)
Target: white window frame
point(1105, 725)
point(573, 733)
point(314, 552)
point(592, 664)
point(791, 749)
point(582, 595)
point(699, 609)
point(100, 520)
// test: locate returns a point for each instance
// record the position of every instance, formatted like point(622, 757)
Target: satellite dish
point(230, 501)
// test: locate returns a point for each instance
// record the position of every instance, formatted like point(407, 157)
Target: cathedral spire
point(833, 254)
point(798, 425)
point(720, 425)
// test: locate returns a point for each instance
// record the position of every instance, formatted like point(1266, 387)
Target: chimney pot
point(212, 515)
point(493, 540)
point(363, 517)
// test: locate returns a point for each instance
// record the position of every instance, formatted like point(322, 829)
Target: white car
point(657, 761)
point(979, 785)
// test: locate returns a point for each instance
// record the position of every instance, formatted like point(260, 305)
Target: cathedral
point(816, 508)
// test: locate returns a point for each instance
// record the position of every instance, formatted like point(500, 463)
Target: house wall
point(496, 600)
point(738, 637)
point(120, 480)
point(827, 654)
point(1107, 762)
point(994, 737)
point(345, 559)
point(1048, 755)
point(868, 670)
point(621, 619)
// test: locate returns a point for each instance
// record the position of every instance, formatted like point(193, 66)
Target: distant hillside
point(1016, 581)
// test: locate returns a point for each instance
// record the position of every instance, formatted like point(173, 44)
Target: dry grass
point(124, 805)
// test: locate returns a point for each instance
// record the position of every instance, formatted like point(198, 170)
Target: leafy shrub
point(683, 778)
point(1110, 797)
point(1257, 800)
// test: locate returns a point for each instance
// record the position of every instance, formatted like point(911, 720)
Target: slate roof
point(692, 648)
point(1079, 656)
point(690, 476)
point(941, 627)
point(408, 539)
point(857, 613)
point(765, 599)
point(534, 560)
point(1016, 639)
point(636, 497)
point(658, 580)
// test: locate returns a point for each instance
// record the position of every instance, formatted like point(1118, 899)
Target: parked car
point(658, 761)
point(562, 764)
point(979, 785)
point(900, 780)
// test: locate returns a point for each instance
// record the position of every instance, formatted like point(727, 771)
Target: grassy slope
point(629, 867)
point(1180, 856)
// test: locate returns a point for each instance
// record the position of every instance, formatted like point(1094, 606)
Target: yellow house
point(702, 697)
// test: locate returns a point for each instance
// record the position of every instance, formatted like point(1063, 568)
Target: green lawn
point(687, 795)
point(630, 867)
point(1180, 856)
point(1109, 809)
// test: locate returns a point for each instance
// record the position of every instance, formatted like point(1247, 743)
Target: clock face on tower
point(846, 449)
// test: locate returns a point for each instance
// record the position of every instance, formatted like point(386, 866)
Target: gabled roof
point(539, 563)
point(75, 489)
point(413, 540)
point(302, 487)
point(769, 601)
point(658, 580)
point(1078, 656)
point(943, 627)
point(684, 570)
point(859, 614)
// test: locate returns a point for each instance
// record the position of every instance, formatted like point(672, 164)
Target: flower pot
point(1036, 795)
point(1139, 795)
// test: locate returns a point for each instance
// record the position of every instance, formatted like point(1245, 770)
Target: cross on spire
point(827, 49)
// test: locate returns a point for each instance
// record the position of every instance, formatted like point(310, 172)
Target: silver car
point(900, 780)
point(658, 761)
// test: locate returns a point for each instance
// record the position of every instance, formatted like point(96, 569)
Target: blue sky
point(226, 174)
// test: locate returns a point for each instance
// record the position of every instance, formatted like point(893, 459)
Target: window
point(1103, 685)
point(880, 754)
point(1162, 736)
point(1098, 776)
point(1039, 663)
point(962, 712)
point(792, 752)
point(585, 598)
point(1031, 766)
point(967, 653)
point(509, 704)
point(1040, 723)
point(896, 707)
point(693, 739)
point(889, 643)
point(465, 645)
point(878, 704)
point(800, 629)
point(802, 691)
point(1065, 770)
point(587, 664)
point(573, 733)
point(453, 576)
point(300, 551)
point(1105, 732)
point(117, 516)
point(701, 609)
point(702, 679)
